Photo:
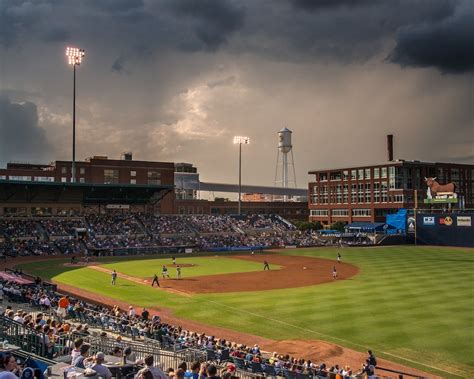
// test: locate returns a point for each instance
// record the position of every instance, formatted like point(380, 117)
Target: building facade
point(97, 170)
point(368, 193)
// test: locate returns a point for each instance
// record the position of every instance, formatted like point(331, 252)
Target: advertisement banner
point(429, 220)
point(463, 220)
point(411, 224)
point(446, 221)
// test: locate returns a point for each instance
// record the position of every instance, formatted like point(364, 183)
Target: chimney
point(390, 147)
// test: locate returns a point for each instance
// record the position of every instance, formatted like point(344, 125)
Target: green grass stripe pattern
point(413, 305)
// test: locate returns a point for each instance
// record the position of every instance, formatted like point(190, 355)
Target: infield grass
point(413, 305)
point(146, 268)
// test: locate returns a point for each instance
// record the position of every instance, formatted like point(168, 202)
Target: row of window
point(341, 212)
point(357, 197)
point(26, 178)
point(360, 174)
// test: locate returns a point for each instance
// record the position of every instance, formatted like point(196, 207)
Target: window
point(340, 212)
point(398, 198)
point(361, 212)
point(111, 176)
point(82, 170)
point(323, 177)
point(133, 181)
point(384, 172)
point(336, 175)
point(82, 180)
point(367, 173)
point(353, 174)
point(3, 177)
point(345, 175)
point(63, 180)
point(154, 177)
point(64, 170)
point(22, 178)
point(133, 173)
point(376, 173)
point(44, 179)
point(391, 178)
point(360, 174)
point(319, 212)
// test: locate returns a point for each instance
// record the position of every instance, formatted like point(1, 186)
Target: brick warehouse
point(368, 193)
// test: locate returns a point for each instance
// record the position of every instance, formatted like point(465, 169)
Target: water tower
point(285, 148)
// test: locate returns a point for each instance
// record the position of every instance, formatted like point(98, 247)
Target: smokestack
point(390, 147)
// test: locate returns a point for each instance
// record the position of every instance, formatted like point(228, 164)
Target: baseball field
point(411, 305)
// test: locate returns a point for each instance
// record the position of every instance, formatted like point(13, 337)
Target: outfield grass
point(146, 268)
point(413, 305)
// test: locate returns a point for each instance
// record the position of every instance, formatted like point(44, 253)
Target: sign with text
point(463, 220)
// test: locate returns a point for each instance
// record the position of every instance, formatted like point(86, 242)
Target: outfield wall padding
point(447, 229)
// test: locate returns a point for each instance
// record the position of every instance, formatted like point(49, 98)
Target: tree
point(338, 225)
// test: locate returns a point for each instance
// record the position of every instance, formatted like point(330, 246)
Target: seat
point(269, 370)
point(256, 367)
point(239, 363)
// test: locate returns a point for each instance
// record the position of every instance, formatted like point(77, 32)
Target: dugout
point(445, 229)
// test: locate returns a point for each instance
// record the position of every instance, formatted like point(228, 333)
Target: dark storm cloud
point(213, 21)
point(314, 5)
point(447, 45)
point(17, 17)
point(20, 136)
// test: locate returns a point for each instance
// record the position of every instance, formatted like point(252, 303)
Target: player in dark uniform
point(266, 266)
point(339, 257)
point(155, 280)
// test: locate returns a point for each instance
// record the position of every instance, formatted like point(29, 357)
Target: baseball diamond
point(406, 306)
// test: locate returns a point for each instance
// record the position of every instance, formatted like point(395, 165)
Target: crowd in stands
point(63, 323)
point(106, 233)
point(113, 224)
point(165, 224)
point(23, 228)
point(61, 226)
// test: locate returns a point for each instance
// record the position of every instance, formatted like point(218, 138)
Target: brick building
point(125, 184)
point(368, 193)
point(112, 175)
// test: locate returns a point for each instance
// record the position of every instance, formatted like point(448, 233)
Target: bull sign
point(435, 189)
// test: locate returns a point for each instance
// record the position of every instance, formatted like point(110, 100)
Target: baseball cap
point(230, 367)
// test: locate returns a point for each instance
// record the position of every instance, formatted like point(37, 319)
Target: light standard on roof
point(74, 56)
point(240, 140)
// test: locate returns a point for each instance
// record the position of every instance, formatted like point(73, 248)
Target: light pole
point(75, 56)
point(240, 140)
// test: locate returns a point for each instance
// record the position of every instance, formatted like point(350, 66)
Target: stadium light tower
point(239, 140)
point(75, 57)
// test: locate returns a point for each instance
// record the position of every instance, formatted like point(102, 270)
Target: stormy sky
point(175, 80)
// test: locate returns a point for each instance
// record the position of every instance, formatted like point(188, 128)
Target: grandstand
point(121, 233)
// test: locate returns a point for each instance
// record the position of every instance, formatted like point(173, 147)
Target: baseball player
point(334, 273)
point(114, 277)
point(178, 272)
point(164, 272)
point(266, 266)
point(173, 259)
point(338, 257)
point(155, 280)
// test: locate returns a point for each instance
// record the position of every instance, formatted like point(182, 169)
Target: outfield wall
point(445, 229)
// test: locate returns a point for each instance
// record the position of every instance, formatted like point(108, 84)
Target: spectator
point(99, 368)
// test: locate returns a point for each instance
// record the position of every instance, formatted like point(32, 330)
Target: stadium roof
point(23, 191)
